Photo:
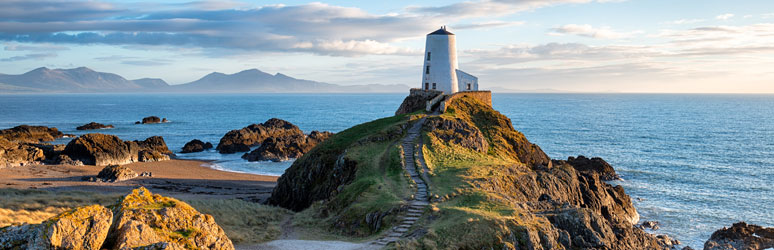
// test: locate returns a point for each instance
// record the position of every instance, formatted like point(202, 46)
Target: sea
point(693, 162)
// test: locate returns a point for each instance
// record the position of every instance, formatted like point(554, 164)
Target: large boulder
point(114, 173)
point(144, 219)
point(153, 149)
point(196, 145)
point(17, 154)
point(741, 236)
point(31, 134)
point(241, 140)
point(285, 148)
point(102, 149)
point(141, 220)
point(81, 228)
point(93, 125)
point(594, 165)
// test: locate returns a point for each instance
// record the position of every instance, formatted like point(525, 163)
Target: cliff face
point(489, 187)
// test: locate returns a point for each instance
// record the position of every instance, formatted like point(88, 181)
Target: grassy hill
point(490, 188)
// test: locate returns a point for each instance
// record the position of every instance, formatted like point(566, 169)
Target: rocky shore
point(279, 140)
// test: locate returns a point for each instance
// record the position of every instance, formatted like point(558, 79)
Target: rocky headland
point(741, 236)
point(140, 220)
point(93, 125)
point(487, 187)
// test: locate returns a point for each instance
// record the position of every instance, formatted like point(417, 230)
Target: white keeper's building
point(441, 71)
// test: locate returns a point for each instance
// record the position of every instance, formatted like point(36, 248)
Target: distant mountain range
point(85, 80)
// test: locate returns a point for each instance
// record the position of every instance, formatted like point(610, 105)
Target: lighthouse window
point(427, 85)
point(433, 85)
point(428, 56)
point(427, 70)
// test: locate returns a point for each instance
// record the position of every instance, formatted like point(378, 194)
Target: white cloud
point(489, 8)
point(590, 31)
point(724, 16)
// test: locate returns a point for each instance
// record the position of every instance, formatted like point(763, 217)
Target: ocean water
point(695, 163)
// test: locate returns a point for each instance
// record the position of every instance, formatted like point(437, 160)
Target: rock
point(66, 160)
point(285, 148)
point(30, 134)
point(596, 165)
point(741, 236)
point(81, 228)
point(196, 146)
point(687, 248)
point(153, 149)
point(115, 173)
point(144, 219)
point(164, 120)
point(18, 154)
point(650, 224)
point(101, 150)
point(93, 125)
point(459, 132)
point(416, 100)
point(151, 119)
point(241, 140)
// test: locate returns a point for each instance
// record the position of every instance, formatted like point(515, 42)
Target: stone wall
point(417, 100)
point(484, 96)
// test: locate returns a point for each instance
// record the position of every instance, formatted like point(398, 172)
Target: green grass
point(244, 222)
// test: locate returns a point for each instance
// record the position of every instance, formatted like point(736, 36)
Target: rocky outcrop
point(115, 173)
point(101, 150)
point(81, 228)
point(594, 165)
point(151, 120)
point(196, 146)
point(30, 134)
point(741, 236)
point(93, 125)
point(241, 140)
point(141, 220)
point(153, 149)
point(285, 148)
point(416, 100)
point(18, 154)
point(477, 164)
point(144, 219)
point(457, 131)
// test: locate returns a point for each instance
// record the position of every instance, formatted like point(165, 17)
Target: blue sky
point(574, 45)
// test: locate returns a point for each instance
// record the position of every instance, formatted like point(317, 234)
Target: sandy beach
point(178, 178)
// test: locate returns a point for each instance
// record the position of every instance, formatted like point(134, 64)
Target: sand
point(178, 178)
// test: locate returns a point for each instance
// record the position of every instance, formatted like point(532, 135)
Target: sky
point(643, 46)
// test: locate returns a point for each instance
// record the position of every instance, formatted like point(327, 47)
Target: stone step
point(414, 214)
point(401, 230)
point(415, 210)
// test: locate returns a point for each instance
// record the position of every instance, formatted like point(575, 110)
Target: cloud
point(25, 47)
point(590, 31)
point(724, 16)
point(488, 8)
point(685, 21)
point(35, 56)
point(485, 25)
point(330, 29)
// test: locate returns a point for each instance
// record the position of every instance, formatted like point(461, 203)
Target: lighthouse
point(440, 70)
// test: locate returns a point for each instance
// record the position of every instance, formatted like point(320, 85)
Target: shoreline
point(189, 179)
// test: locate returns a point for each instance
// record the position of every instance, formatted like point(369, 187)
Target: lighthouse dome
point(441, 31)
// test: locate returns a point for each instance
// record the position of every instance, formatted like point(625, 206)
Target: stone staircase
point(420, 202)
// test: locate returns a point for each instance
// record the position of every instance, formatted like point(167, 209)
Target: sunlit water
point(695, 163)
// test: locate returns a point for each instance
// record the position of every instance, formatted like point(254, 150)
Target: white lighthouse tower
point(440, 70)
